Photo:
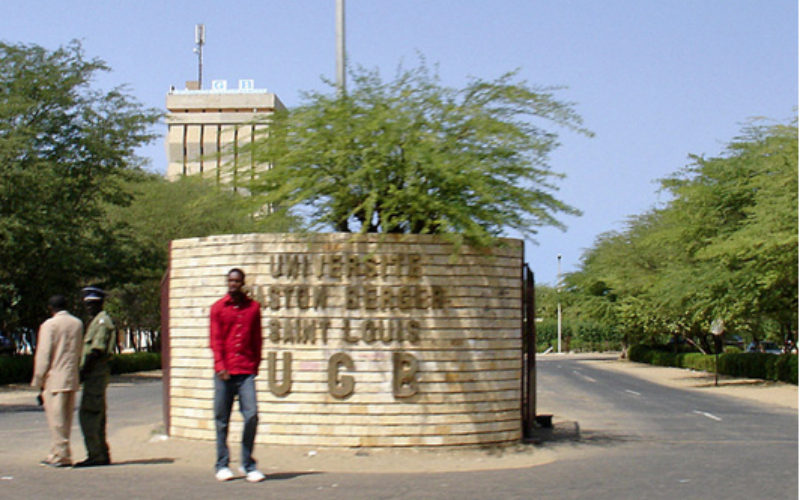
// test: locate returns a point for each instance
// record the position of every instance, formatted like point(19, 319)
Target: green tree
point(161, 211)
point(66, 148)
point(547, 298)
point(740, 212)
point(413, 156)
point(724, 246)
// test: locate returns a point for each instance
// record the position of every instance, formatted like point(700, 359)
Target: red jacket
point(236, 336)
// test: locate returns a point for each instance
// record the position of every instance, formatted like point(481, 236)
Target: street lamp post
point(717, 330)
point(558, 293)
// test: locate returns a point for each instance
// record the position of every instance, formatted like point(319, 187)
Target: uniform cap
point(91, 293)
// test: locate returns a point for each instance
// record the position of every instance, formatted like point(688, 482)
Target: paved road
point(131, 401)
point(637, 440)
point(664, 442)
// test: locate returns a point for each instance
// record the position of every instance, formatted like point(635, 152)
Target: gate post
point(165, 344)
point(529, 353)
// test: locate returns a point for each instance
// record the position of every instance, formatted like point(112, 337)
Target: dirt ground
point(147, 444)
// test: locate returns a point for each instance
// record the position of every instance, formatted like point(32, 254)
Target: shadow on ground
point(145, 461)
point(733, 383)
point(21, 408)
point(289, 475)
point(136, 378)
point(571, 432)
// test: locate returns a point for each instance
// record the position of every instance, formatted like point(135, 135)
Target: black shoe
point(55, 465)
point(93, 462)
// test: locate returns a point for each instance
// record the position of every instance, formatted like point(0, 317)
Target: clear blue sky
point(656, 80)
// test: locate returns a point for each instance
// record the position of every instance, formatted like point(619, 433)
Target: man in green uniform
point(98, 345)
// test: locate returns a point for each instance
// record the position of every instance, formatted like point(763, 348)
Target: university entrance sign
point(369, 340)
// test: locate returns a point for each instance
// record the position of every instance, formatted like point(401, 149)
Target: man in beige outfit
point(55, 374)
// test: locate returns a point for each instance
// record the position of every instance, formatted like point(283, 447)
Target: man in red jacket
point(236, 340)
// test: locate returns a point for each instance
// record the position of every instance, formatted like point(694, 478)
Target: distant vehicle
point(734, 340)
point(7, 346)
point(768, 347)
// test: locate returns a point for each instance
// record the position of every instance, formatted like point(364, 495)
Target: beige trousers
point(59, 407)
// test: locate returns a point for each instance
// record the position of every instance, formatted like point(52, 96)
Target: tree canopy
point(161, 211)
point(76, 206)
point(66, 149)
point(724, 246)
point(414, 156)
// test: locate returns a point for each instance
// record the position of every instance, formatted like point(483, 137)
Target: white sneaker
point(224, 474)
point(254, 476)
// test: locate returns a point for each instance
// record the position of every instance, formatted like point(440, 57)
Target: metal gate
point(528, 392)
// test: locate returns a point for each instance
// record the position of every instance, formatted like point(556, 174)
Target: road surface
point(616, 437)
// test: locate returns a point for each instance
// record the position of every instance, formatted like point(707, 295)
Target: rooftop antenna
point(199, 41)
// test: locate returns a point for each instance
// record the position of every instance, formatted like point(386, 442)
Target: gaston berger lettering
point(366, 296)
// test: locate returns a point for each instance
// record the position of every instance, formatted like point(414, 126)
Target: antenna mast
point(199, 41)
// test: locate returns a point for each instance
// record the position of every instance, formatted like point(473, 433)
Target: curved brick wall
point(388, 339)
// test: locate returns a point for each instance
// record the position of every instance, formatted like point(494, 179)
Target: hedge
point(19, 369)
point(750, 365)
point(577, 336)
point(135, 362)
point(15, 369)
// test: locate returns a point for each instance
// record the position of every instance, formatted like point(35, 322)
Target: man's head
point(56, 303)
point(235, 282)
point(93, 297)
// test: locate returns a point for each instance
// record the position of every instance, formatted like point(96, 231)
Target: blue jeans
point(224, 392)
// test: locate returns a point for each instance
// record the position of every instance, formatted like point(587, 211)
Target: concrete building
point(208, 130)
